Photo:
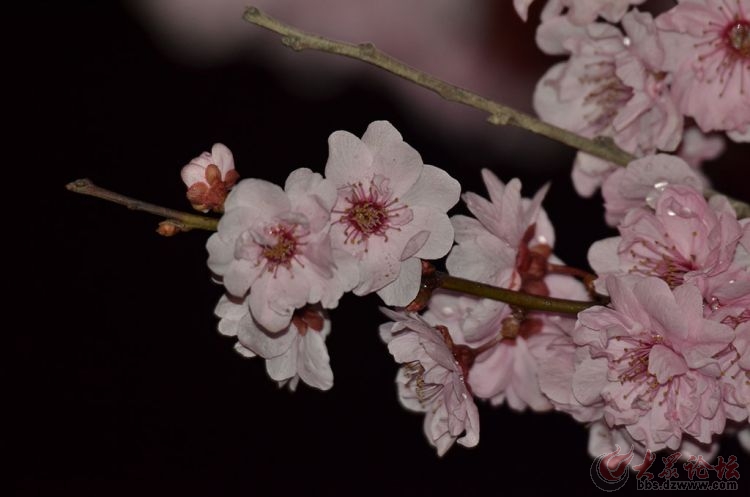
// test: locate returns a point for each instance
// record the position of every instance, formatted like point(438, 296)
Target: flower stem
point(523, 300)
point(499, 114)
point(183, 220)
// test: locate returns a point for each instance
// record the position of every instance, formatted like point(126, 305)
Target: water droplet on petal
point(654, 194)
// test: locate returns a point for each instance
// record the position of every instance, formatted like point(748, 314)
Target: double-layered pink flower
point(432, 379)
point(642, 181)
point(683, 240)
point(275, 244)
point(612, 85)
point(507, 244)
point(652, 361)
point(297, 352)
point(390, 210)
point(707, 47)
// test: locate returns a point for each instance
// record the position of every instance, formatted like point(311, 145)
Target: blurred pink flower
point(432, 379)
point(275, 244)
point(744, 438)
point(697, 148)
point(611, 86)
point(642, 181)
point(652, 361)
point(209, 178)
point(581, 12)
point(297, 352)
point(685, 239)
point(390, 211)
point(707, 46)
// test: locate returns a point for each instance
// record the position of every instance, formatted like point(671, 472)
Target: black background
point(124, 387)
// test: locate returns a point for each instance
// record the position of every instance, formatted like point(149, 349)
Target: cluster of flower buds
point(665, 364)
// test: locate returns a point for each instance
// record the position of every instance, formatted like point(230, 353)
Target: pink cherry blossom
point(275, 244)
point(209, 177)
point(297, 352)
point(487, 248)
point(641, 183)
point(707, 45)
point(612, 85)
point(685, 239)
point(432, 379)
point(390, 211)
point(582, 12)
point(652, 362)
point(508, 244)
point(507, 371)
point(556, 374)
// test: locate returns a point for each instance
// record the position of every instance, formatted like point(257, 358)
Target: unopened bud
point(168, 228)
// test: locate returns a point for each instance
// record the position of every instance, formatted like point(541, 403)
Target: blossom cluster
point(637, 79)
point(287, 255)
point(659, 360)
point(663, 366)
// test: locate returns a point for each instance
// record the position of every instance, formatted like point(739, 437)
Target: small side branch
point(499, 114)
point(182, 220)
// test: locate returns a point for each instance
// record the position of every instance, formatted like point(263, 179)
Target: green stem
point(520, 299)
point(183, 220)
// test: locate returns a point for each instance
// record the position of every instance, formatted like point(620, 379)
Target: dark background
point(125, 387)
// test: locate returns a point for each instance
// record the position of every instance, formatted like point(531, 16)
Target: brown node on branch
point(431, 280)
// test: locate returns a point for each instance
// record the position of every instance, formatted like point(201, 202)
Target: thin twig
point(183, 220)
point(499, 114)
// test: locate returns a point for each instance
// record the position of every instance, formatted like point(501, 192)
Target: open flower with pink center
point(297, 352)
point(209, 178)
point(685, 239)
point(652, 360)
point(642, 181)
point(613, 86)
point(707, 44)
point(390, 211)
point(275, 244)
point(432, 379)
